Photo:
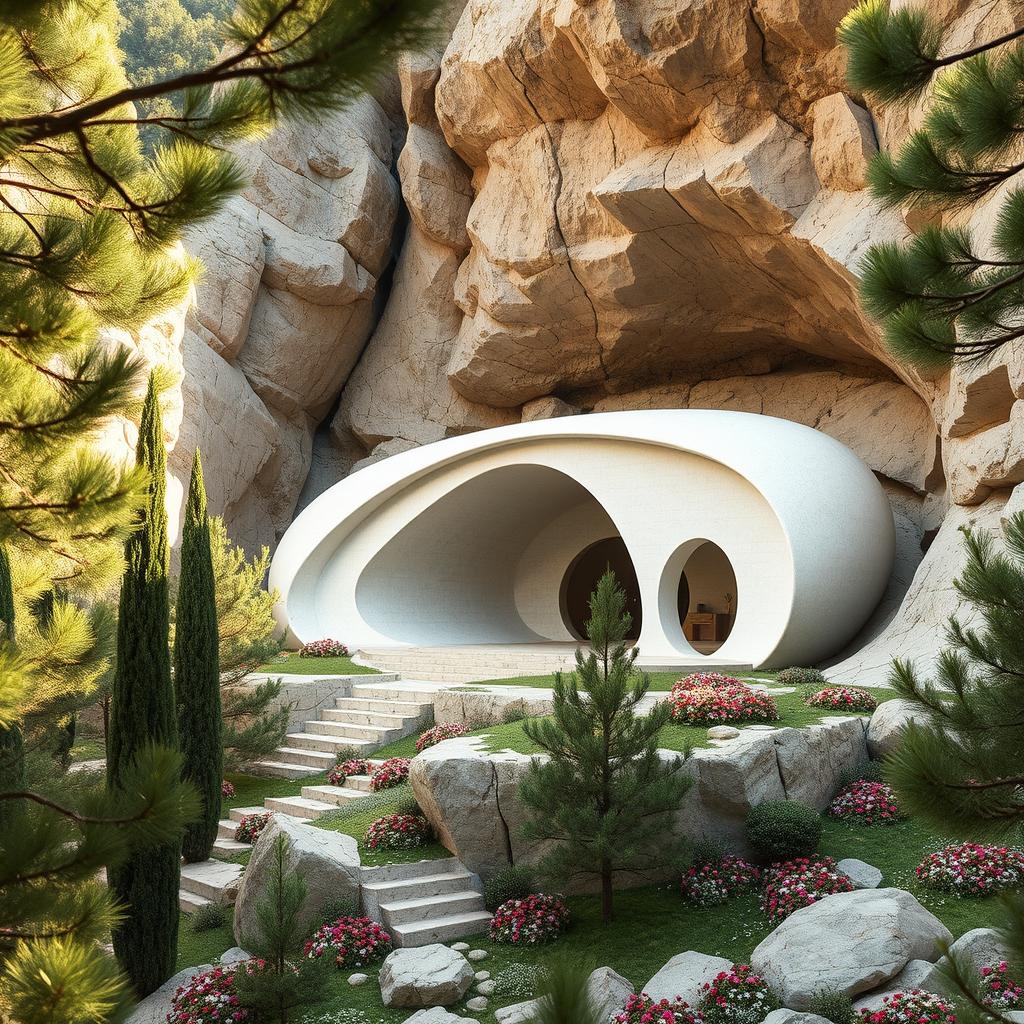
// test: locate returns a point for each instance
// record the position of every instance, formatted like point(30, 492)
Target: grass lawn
point(89, 748)
point(294, 665)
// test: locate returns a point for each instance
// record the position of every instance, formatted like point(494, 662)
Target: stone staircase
point(375, 716)
point(472, 663)
point(208, 881)
point(428, 901)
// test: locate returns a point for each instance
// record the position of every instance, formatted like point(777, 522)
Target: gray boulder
point(434, 1015)
point(608, 991)
point(981, 947)
point(851, 943)
point(887, 725)
point(424, 976)
point(234, 955)
point(517, 1013)
point(813, 760)
point(684, 975)
point(328, 863)
point(917, 974)
point(155, 1007)
point(863, 876)
point(787, 1016)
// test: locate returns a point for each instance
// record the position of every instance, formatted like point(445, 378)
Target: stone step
point(226, 828)
point(422, 696)
point(312, 744)
point(298, 806)
point(283, 769)
point(420, 887)
point(189, 902)
point(425, 908)
point(228, 847)
point(215, 880)
point(352, 731)
point(238, 813)
point(311, 757)
point(413, 869)
point(360, 782)
point(441, 929)
point(337, 795)
point(385, 706)
point(379, 719)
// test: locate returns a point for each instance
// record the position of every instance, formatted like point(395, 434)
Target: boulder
point(328, 862)
point(156, 1006)
point(424, 976)
point(814, 760)
point(608, 991)
point(786, 1016)
point(234, 955)
point(888, 722)
point(850, 943)
point(684, 975)
point(917, 974)
point(434, 1015)
point(981, 947)
point(517, 1013)
point(863, 876)
point(477, 1004)
point(723, 732)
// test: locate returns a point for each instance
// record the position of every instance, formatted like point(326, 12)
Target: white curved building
point(762, 540)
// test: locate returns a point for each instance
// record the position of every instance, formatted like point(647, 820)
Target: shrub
point(338, 907)
point(227, 790)
point(349, 942)
point(397, 832)
point(910, 1008)
point(208, 917)
point(834, 1006)
point(972, 869)
point(799, 883)
point(801, 677)
point(436, 733)
point(642, 1009)
point(783, 829)
point(843, 698)
point(210, 997)
point(326, 648)
point(737, 996)
point(511, 883)
point(998, 990)
point(392, 772)
point(250, 827)
point(706, 698)
point(867, 803)
point(529, 922)
point(340, 772)
point(712, 882)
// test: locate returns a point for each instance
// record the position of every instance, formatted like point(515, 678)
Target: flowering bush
point(642, 1009)
point(349, 942)
point(737, 996)
point(250, 827)
point(710, 883)
point(707, 698)
point(1000, 991)
point(797, 676)
point(869, 803)
point(227, 790)
point(799, 883)
point(530, 921)
point(397, 832)
point(326, 648)
point(437, 733)
point(843, 698)
point(210, 998)
point(911, 1008)
point(340, 772)
point(392, 772)
point(972, 869)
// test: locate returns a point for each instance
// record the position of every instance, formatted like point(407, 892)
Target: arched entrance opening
point(706, 598)
point(582, 577)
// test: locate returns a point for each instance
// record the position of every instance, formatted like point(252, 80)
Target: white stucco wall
point(468, 540)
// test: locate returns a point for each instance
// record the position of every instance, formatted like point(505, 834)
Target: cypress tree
point(12, 761)
point(142, 713)
point(196, 670)
point(605, 792)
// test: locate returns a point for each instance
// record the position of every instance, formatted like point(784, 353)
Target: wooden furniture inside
point(706, 626)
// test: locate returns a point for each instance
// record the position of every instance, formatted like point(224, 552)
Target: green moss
point(292, 664)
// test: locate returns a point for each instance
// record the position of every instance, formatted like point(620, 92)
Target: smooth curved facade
point(472, 540)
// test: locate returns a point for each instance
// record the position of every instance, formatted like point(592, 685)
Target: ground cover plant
point(866, 802)
point(337, 775)
point(251, 826)
point(998, 989)
point(530, 921)
point(783, 829)
point(640, 1008)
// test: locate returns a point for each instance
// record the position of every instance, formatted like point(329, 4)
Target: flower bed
point(392, 772)
point(250, 827)
point(326, 648)
point(711, 883)
point(737, 996)
point(972, 869)
point(397, 832)
point(707, 698)
point(799, 883)
point(843, 698)
point(341, 771)
point(911, 1007)
point(998, 990)
point(436, 733)
point(642, 1009)
point(227, 790)
point(349, 942)
point(530, 921)
point(867, 803)
point(210, 998)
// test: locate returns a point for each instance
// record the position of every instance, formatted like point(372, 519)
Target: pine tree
point(12, 757)
point(142, 712)
point(604, 793)
point(196, 671)
point(290, 980)
point(943, 295)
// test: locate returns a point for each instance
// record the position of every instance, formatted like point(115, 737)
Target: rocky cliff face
point(612, 204)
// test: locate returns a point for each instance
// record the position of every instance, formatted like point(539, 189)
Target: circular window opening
point(582, 577)
point(706, 598)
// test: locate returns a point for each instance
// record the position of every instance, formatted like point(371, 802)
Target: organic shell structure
point(474, 539)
